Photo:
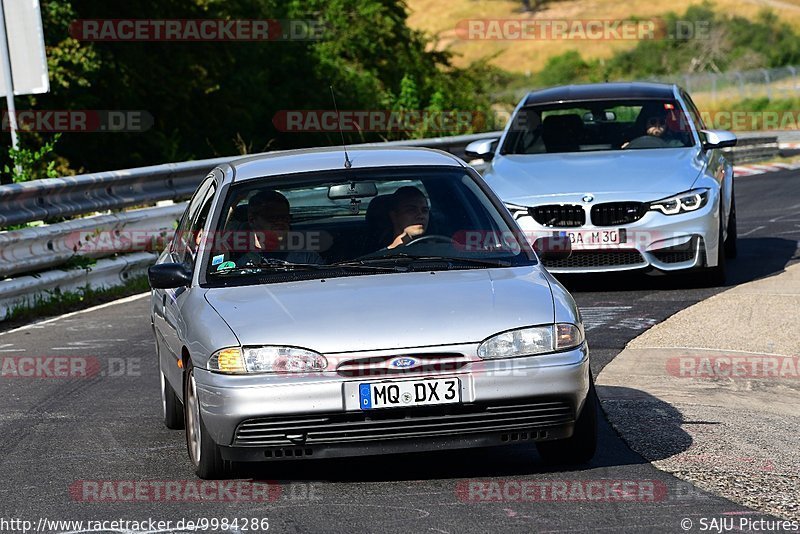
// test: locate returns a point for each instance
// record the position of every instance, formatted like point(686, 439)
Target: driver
point(656, 135)
point(409, 213)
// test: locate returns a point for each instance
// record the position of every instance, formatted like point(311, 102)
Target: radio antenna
point(347, 162)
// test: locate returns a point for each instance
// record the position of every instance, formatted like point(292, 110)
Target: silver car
point(314, 304)
point(628, 171)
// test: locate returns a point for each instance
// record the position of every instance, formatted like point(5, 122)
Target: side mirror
point(718, 139)
point(553, 248)
point(168, 276)
point(482, 149)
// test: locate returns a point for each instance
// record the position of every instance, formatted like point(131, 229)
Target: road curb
point(729, 368)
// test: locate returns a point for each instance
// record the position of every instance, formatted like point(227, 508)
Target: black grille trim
point(597, 258)
point(677, 254)
point(617, 213)
point(399, 423)
point(559, 215)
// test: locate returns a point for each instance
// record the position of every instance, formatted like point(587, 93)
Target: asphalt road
point(67, 443)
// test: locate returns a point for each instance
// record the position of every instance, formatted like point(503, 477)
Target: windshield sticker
point(216, 260)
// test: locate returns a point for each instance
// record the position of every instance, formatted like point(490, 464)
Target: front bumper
point(262, 418)
point(656, 241)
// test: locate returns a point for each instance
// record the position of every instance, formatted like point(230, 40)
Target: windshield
point(348, 223)
point(598, 126)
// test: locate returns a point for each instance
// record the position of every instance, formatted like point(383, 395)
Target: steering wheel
point(434, 238)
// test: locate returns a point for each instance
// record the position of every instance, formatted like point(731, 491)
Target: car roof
point(332, 158)
point(600, 91)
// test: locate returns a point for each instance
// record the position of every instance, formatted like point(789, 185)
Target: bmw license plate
point(597, 237)
point(401, 393)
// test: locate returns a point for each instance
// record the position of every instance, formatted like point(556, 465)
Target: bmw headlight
point(531, 341)
point(681, 203)
point(249, 360)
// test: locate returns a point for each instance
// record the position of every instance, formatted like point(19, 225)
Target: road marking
point(38, 324)
point(596, 316)
point(756, 229)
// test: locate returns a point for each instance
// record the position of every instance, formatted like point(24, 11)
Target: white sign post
point(23, 62)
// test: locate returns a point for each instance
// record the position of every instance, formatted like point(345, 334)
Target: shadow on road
point(636, 414)
point(510, 461)
point(758, 257)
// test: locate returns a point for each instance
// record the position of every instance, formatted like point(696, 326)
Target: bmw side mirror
point(553, 248)
point(718, 139)
point(482, 149)
point(168, 276)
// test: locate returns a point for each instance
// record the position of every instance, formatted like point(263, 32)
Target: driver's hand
point(415, 230)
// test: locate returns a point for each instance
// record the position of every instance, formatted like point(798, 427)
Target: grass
point(57, 303)
point(439, 19)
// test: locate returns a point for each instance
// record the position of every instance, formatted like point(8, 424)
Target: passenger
point(269, 223)
point(409, 213)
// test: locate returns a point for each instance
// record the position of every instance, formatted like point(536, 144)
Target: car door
point(183, 249)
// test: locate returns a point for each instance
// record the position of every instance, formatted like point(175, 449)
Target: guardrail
point(749, 149)
point(33, 249)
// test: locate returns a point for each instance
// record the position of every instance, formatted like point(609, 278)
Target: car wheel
point(730, 242)
point(203, 452)
point(171, 406)
point(579, 448)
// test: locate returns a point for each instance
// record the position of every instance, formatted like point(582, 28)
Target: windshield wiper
point(408, 259)
point(274, 264)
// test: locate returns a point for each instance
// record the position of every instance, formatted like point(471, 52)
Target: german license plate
point(402, 393)
point(597, 237)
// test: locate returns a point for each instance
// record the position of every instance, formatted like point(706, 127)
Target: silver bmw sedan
point(317, 304)
point(628, 171)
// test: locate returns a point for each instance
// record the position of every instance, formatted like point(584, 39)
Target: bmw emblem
point(588, 198)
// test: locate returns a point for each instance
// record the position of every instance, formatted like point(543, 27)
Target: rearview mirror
point(352, 190)
point(482, 149)
point(553, 248)
point(168, 276)
point(718, 139)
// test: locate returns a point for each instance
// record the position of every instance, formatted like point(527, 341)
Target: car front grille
point(617, 213)
point(597, 258)
point(398, 423)
point(559, 215)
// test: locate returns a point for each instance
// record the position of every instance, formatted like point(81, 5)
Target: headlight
point(266, 360)
point(688, 201)
point(531, 341)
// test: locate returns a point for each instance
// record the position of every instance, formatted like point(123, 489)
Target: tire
point(580, 448)
point(204, 453)
point(730, 242)
point(171, 406)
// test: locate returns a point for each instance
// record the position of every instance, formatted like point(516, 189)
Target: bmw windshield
point(598, 126)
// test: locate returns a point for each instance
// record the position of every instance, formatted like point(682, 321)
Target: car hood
point(647, 174)
point(386, 311)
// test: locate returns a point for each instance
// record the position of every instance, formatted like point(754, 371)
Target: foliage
point(699, 40)
point(218, 98)
point(30, 164)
